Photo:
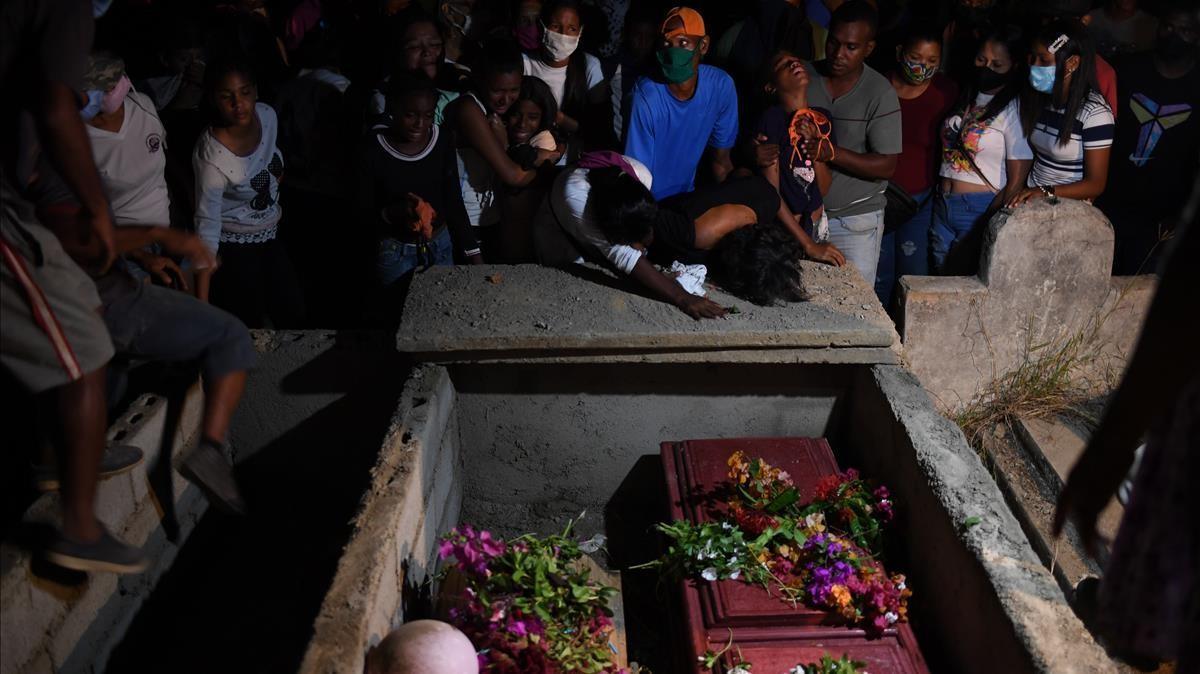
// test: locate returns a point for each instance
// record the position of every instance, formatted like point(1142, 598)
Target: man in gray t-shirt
point(866, 123)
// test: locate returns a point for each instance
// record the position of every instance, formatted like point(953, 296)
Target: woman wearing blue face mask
point(1073, 134)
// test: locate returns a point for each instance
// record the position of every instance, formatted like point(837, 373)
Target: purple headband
point(604, 158)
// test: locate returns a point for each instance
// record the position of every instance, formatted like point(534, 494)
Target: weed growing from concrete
point(1049, 381)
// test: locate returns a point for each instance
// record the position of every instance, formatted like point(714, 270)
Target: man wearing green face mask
point(688, 108)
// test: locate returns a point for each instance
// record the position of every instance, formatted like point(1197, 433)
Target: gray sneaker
point(117, 459)
point(107, 554)
point(208, 469)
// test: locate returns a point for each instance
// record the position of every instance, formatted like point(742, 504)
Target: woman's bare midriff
point(952, 186)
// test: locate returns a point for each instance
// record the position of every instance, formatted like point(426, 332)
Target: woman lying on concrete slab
point(602, 210)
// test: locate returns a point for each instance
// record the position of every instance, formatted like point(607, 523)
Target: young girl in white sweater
point(238, 169)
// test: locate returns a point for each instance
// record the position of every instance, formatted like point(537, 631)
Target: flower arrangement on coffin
point(529, 606)
point(822, 554)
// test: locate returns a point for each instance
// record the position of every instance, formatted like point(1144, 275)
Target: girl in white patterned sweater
point(238, 169)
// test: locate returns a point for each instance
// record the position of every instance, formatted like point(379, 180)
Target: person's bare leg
point(221, 397)
point(718, 221)
point(82, 415)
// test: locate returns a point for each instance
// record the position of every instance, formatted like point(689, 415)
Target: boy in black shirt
point(409, 189)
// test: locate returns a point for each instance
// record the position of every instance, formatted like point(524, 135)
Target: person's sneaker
point(208, 469)
point(106, 554)
point(117, 459)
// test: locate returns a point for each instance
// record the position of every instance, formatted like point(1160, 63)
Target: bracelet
point(1047, 190)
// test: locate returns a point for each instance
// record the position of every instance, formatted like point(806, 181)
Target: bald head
point(423, 647)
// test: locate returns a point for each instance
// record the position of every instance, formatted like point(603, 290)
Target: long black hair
point(1083, 80)
point(575, 92)
point(624, 207)
point(759, 263)
point(1013, 39)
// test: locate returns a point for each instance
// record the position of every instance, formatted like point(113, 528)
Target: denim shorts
point(395, 258)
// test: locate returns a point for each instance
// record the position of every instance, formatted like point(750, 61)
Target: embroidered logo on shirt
point(1155, 119)
point(153, 143)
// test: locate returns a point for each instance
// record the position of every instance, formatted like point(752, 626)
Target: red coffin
point(771, 633)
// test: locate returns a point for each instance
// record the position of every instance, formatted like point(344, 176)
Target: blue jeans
point(395, 259)
point(954, 217)
point(857, 236)
point(905, 250)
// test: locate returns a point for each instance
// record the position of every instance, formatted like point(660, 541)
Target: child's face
point(413, 116)
point(235, 98)
point(524, 120)
point(789, 74)
point(502, 91)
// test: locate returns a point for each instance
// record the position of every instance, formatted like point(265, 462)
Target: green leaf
point(971, 521)
point(783, 500)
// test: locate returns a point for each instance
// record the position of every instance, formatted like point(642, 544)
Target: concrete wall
point(415, 495)
point(980, 593)
point(55, 620)
point(1044, 277)
point(548, 442)
point(536, 444)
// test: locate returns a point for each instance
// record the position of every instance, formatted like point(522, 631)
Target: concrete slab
point(1059, 445)
point(528, 311)
point(1043, 279)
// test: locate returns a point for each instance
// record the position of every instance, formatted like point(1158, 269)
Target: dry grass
point(1049, 381)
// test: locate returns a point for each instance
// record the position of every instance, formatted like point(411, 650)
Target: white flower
point(593, 544)
point(726, 526)
point(739, 670)
point(735, 574)
point(798, 669)
point(891, 617)
point(709, 574)
point(901, 586)
point(814, 519)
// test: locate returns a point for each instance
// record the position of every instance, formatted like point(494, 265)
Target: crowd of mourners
point(194, 169)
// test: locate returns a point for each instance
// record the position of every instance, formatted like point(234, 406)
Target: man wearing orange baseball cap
point(690, 107)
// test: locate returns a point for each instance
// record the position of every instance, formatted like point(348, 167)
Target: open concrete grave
point(525, 425)
point(541, 394)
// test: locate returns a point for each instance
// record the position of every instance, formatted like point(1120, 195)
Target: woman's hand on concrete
point(700, 307)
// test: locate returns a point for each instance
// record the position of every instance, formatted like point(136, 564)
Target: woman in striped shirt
point(1073, 135)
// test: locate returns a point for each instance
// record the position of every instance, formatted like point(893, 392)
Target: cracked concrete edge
point(343, 626)
point(1055, 639)
point(818, 356)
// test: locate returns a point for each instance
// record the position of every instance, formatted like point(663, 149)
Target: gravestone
point(1044, 278)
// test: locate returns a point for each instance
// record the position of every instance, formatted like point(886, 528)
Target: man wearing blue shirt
point(673, 121)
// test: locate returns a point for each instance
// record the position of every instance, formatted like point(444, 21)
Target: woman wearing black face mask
point(985, 151)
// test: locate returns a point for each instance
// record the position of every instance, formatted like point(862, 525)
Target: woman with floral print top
point(985, 150)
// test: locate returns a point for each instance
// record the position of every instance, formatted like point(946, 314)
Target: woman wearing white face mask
point(574, 78)
point(1073, 135)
